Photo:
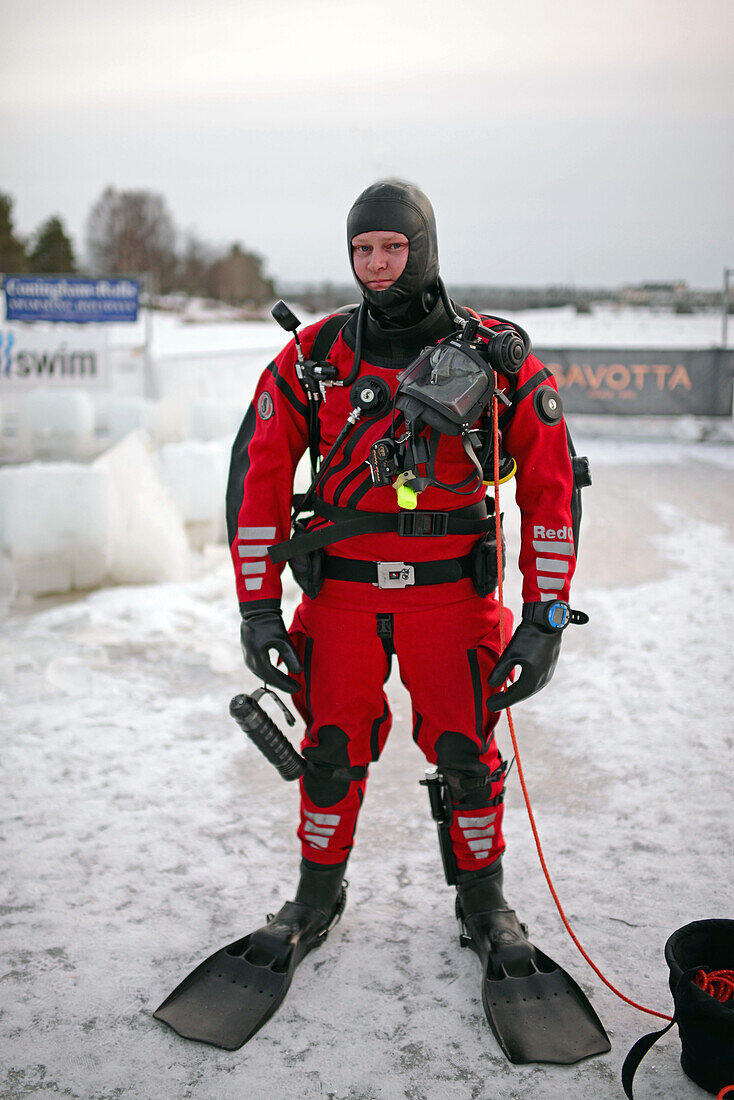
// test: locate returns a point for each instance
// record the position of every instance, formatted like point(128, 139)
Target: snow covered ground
point(140, 830)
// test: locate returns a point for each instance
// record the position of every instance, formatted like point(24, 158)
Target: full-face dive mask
point(450, 385)
point(448, 390)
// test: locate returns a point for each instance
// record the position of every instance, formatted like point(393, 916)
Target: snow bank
point(56, 425)
point(196, 474)
point(147, 541)
point(66, 526)
point(54, 523)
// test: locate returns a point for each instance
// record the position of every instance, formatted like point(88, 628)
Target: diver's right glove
point(535, 647)
point(261, 630)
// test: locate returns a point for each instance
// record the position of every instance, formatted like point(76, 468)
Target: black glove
point(263, 629)
point(536, 650)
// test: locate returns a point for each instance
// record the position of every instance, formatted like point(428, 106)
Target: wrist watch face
point(557, 615)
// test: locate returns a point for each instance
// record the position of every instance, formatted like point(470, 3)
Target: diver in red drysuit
point(444, 634)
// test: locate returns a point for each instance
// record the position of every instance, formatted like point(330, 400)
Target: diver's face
point(379, 257)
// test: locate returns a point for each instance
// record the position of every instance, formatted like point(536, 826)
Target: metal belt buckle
point(394, 574)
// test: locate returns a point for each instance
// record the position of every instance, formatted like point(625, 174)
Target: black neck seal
point(393, 205)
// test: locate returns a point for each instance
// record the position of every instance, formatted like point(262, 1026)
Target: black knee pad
point(468, 779)
point(320, 783)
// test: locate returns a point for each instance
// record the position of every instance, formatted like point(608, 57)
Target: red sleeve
point(544, 488)
point(269, 444)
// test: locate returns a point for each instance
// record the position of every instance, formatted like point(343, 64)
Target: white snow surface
point(141, 830)
point(607, 325)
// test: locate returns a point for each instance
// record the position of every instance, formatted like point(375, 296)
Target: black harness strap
point(347, 523)
point(516, 395)
point(326, 336)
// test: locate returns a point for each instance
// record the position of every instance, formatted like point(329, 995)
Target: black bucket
point(705, 1025)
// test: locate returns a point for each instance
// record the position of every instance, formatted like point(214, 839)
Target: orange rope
point(520, 772)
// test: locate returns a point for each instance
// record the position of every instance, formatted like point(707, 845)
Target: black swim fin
point(536, 1010)
point(229, 996)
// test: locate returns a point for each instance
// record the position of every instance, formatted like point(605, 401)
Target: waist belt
point(397, 574)
point(347, 523)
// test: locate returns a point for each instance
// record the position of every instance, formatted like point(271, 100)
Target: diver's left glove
point(534, 646)
point(261, 630)
point(535, 649)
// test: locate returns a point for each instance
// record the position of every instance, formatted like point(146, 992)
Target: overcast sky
point(582, 141)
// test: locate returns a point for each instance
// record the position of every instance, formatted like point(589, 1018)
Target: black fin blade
point(543, 1017)
point(226, 999)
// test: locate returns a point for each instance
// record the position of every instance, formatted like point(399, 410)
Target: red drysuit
point(445, 637)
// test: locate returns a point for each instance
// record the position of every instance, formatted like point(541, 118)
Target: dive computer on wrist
point(552, 615)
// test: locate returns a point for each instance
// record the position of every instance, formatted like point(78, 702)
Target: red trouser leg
point(445, 657)
point(347, 722)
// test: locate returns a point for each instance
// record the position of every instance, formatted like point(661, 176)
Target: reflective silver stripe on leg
point(253, 567)
point(323, 819)
point(318, 841)
point(475, 822)
point(478, 834)
point(488, 831)
point(321, 830)
point(480, 845)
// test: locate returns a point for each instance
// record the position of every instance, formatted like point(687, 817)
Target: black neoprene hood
point(400, 207)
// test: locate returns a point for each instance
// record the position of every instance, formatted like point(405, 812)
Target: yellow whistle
point(407, 497)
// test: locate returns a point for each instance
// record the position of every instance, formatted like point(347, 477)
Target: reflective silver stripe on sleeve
point(546, 596)
point(253, 567)
point(253, 583)
point(475, 822)
point(256, 533)
point(478, 846)
point(553, 547)
point(551, 582)
point(550, 565)
point(252, 551)
point(323, 819)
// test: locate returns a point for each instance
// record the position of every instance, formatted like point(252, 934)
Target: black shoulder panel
point(238, 467)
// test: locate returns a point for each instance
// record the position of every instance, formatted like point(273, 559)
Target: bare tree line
point(132, 232)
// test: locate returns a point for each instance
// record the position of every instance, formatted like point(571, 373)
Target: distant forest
point(131, 233)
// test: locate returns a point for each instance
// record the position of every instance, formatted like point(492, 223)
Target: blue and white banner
point(81, 301)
